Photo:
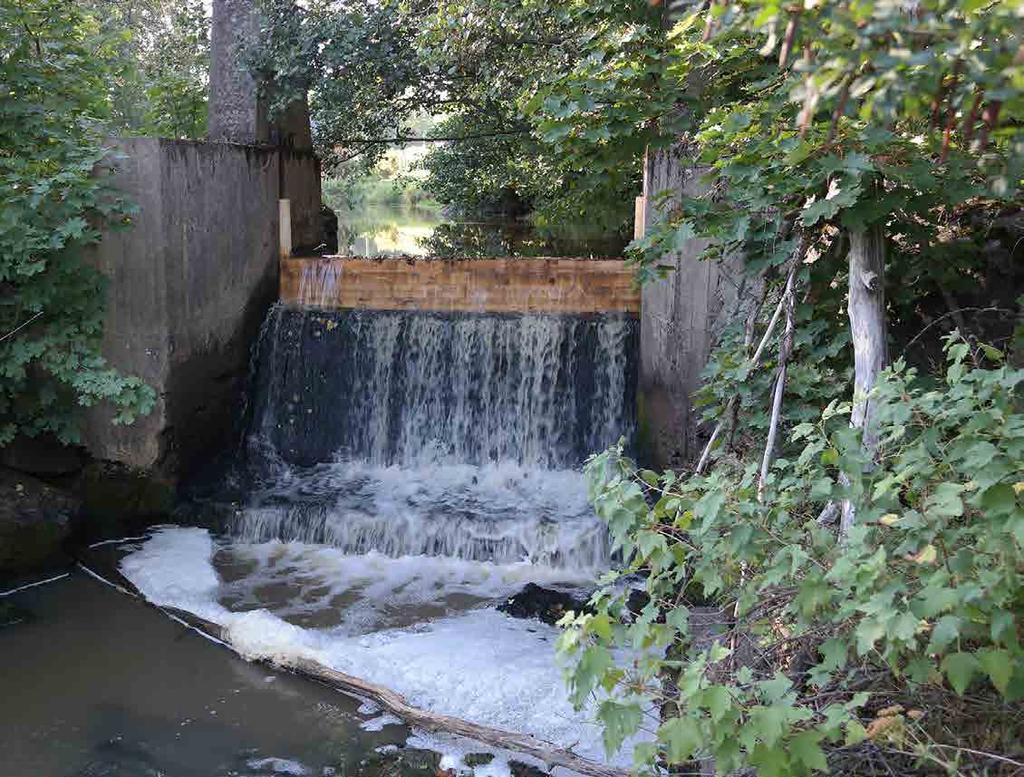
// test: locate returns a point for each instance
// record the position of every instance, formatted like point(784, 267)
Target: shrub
point(925, 593)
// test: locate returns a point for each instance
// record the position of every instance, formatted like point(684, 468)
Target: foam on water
point(479, 665)
point(322, 586)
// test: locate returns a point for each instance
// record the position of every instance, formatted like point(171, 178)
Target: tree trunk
point(868, 331)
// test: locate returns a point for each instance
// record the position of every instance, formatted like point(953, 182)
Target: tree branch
point(20, 326)
point(430, 139)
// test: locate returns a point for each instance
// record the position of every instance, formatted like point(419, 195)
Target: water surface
point(380, 229)
point(94, 683)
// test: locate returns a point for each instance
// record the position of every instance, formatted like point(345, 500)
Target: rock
point(118, 500)
point(42, 456)
point(519, 769)
point(544, 604)
point(636, 601)
point(35, 520)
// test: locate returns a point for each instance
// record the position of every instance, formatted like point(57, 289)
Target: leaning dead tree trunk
point(868, 332)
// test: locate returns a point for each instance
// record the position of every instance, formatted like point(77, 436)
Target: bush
point(926, 594)
point(54, 69)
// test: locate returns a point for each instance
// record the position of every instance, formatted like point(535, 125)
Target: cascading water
point(456, 434)
point(405, 474)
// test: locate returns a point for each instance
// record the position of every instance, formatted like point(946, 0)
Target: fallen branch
point(433, 721)
point(392, 701)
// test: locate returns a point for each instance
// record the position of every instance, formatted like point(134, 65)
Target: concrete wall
point(188, 287)
point(300, 183)
point(492, 285)
point(681, 317)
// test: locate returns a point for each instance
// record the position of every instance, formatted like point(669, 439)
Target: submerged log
point(388, 699)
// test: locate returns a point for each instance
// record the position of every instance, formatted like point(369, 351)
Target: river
point(381, 229)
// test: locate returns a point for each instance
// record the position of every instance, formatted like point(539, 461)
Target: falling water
point(450, 434)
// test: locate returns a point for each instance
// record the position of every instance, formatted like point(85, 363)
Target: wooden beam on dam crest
point(528, 285)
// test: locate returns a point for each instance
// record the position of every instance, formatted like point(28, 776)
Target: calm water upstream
point(377, 229)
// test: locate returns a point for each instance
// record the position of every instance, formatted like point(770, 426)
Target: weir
point(456, 433)
point(406, 472)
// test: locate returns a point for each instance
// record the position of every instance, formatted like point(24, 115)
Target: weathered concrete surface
point(237, 113)
point(475, 285)
point(300, 183)
point(681, 317)
point(188, 287)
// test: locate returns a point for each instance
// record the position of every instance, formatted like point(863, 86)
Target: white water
point(401, 388)
point(406, 473)
point(477, 664)
point(503, 513)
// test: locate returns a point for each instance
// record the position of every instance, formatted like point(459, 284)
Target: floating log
point(391, 700)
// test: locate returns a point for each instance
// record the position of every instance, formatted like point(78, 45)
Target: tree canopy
point(375, 68)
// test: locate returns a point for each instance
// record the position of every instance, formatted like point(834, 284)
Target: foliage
point(501, 175)
point(928, 588)
point(872, 115)
point(806, 122)
point(54, 64)
point(160, 72)
point(375, 68)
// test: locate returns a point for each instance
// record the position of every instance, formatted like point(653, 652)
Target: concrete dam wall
point(188, 285)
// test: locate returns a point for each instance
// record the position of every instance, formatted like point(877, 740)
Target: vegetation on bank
point(395, 180)
point(72, 75)
point(55, 62)
point(375, 69)
point(855, 533)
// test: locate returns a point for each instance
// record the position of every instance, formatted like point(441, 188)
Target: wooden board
point(476, 285)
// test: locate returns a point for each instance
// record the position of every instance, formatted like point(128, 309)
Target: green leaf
point(682, 736)
point(998, 664)
point(960, 668)
point(717, 700)
point(621, 720)
point(769, 723)
point(946, 629)
point(805, 749)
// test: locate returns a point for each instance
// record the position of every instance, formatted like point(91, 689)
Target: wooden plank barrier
point(534, 285)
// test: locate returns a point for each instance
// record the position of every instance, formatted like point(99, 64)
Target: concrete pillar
point(681, 318)
point(237, 114)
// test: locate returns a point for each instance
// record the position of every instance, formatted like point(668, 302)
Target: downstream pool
point(96, 684)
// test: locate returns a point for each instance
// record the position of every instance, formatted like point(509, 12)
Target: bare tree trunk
point(868, 331)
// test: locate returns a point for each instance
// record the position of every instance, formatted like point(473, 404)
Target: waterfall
point(455, 434)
